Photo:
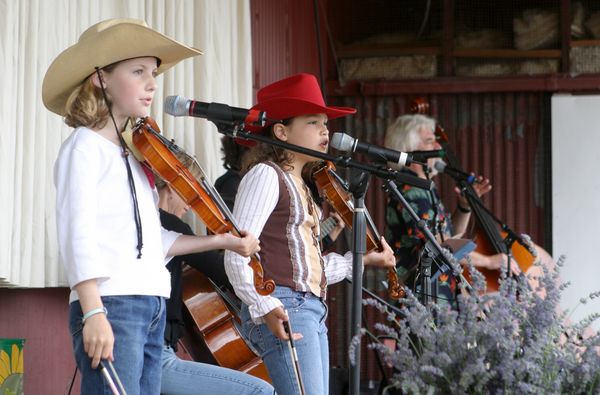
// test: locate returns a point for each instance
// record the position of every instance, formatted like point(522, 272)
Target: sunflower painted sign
point(11, 366)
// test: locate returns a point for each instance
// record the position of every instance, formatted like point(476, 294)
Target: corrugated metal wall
point(284, 39)
point(504, 136)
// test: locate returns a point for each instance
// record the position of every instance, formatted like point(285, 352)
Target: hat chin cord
point(125, 154)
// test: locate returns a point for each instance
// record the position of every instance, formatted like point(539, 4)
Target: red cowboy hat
point(291, 97)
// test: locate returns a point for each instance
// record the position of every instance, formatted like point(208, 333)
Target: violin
point(332, 189)
point(487, 235)
point(163, 157)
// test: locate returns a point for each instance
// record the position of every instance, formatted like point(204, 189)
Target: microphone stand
point(431, 251)
point(359, 182)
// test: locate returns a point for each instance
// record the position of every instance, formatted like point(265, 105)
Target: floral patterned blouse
point(407, 240)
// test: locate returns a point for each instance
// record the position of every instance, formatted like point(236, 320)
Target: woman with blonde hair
point(417, 133)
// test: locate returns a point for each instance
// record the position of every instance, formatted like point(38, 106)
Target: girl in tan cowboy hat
point(274, 203)
point(110, 238)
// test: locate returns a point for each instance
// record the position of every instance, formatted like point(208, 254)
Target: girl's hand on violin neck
point(98, 339)
point(245, 245)
point(274, 320)
point(384, 258)
point(339, 226)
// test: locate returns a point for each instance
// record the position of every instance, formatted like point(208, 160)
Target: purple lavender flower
point(512, 341)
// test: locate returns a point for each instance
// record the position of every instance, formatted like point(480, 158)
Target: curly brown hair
point(264, 152)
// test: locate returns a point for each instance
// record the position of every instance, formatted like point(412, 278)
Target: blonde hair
point(86, 105)
point(403, 133)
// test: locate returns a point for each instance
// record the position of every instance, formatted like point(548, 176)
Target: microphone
point(218, 113)
point(458, 175)
point(347, 143)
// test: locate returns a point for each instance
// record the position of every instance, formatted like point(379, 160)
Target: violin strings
point(192, 164)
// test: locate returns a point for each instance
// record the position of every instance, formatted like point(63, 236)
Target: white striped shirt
point(256, 199)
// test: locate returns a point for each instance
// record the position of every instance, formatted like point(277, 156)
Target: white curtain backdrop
point(32, 33)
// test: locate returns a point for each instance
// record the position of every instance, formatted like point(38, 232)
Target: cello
point(331, 188)
point(212, 320)
point(489, 238)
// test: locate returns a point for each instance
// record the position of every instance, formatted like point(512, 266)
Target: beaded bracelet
point(94, 312)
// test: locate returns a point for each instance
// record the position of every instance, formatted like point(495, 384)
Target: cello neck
point(488, 226)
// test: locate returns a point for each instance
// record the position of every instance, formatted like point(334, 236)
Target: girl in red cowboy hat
point(109, 233)
point(274, 203)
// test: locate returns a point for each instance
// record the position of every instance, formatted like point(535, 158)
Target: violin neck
point(327, 227)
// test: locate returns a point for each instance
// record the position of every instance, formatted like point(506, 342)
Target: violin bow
point(109, 380)
point(288, 328)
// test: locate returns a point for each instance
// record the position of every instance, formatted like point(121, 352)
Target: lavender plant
point(511, 342)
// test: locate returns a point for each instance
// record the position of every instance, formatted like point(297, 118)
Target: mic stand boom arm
point(341, 161)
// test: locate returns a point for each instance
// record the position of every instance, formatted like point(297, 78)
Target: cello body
point(213, 334)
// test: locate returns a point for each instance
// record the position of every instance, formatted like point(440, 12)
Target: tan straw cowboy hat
point(102, 44)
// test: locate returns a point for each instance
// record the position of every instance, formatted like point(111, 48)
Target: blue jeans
point(181, 377)
point(307, 316)
point(138, 325)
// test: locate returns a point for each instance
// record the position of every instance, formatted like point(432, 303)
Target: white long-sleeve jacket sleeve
point(338, 267)
point(256, 199)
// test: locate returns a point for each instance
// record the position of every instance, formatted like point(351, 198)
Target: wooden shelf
point(507, 53)
point(585, 43)
point(443, 46)
point(366, 51)
point(371, 50)
point(452, 85)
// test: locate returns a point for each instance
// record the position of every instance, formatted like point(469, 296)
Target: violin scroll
point(395, 290)
point(420, 105)
point(262, 286)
